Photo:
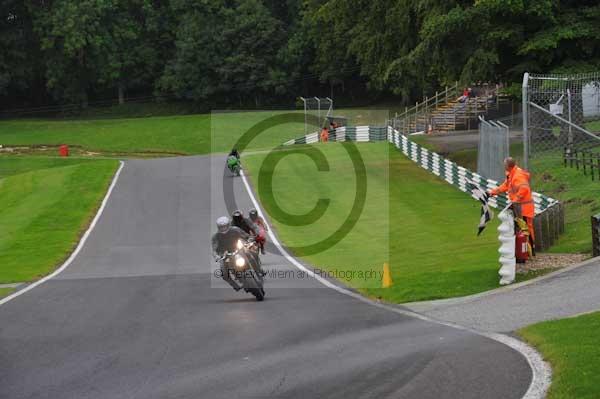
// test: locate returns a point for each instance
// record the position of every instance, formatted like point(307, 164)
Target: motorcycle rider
point(225, 240)
point(233, 159)
point(261, 238)
point(238, 220)
point(234, 152)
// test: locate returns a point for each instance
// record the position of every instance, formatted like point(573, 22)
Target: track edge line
point(541, 372)
point(80, 245)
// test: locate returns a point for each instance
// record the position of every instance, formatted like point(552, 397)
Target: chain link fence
point(493, 149)
point(561, 122)
point(561, 147)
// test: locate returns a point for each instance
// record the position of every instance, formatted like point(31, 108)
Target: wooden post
point(596, 235)
point(539, 234)
point(561, 219)
point(552, 217)
point(546, 229)
point(557, 221)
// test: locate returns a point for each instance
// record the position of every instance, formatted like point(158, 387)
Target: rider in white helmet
point(225, 240)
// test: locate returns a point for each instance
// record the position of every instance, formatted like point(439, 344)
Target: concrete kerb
point(540, 370)
point(426, 306)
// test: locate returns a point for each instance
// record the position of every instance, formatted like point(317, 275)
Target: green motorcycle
point(234, 165)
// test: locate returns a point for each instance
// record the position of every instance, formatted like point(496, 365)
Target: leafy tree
point(254, 51)
point(19, 49)
point(72, 37)
point(225, 53)
point(133, 53)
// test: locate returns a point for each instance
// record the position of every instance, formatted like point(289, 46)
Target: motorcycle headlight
point(240, 244)
point(240, 262)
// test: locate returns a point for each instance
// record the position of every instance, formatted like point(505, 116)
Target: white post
point(318, 109)
point(305, 120)
point(525, 92)
point(570, 138)
point(506, 236)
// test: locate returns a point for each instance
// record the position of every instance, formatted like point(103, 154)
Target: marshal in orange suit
point(519, 192)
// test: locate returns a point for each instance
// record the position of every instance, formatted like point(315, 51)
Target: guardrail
point(457, 175)
point(346, 133)
point(596, 235)
point(549, 212)
point(450, 171)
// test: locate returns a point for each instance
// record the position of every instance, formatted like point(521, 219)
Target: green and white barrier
point(346, 133)
point(450, 171)
point(455, 174)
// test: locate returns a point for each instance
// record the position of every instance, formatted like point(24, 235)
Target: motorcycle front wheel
point(255, 288)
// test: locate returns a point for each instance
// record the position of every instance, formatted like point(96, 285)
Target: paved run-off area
point(135, 316)
point(565, 293)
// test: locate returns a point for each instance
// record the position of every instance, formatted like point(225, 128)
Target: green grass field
point(5, 292)
point(580, 195)
point(185, 135)
point(432, 245)
point(578, 192)
point(180, 134)
point(46, 205)
point(571, 346)
point(199, 134)
point(12, 165)
point(177, 134)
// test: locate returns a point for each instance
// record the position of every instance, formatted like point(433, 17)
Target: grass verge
point(577, 191)
point(5, 292)
point(46, 205)
point(178, 134)
point(184, 134)
point(571, 346)
point(432, 248)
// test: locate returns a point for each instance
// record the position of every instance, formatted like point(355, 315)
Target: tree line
point(260, 52)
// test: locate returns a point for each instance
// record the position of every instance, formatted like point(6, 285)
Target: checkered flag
point(483, 197)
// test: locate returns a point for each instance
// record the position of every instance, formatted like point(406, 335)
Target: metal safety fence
point(493, 148)
point(561, 123)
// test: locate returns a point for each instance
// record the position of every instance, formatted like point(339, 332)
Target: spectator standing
point(464, 97)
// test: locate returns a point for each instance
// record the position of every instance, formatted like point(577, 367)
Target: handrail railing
point(426, 115)
point(429, 101)
point(419, 113)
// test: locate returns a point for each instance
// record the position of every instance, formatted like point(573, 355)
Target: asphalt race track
point(136, 315)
